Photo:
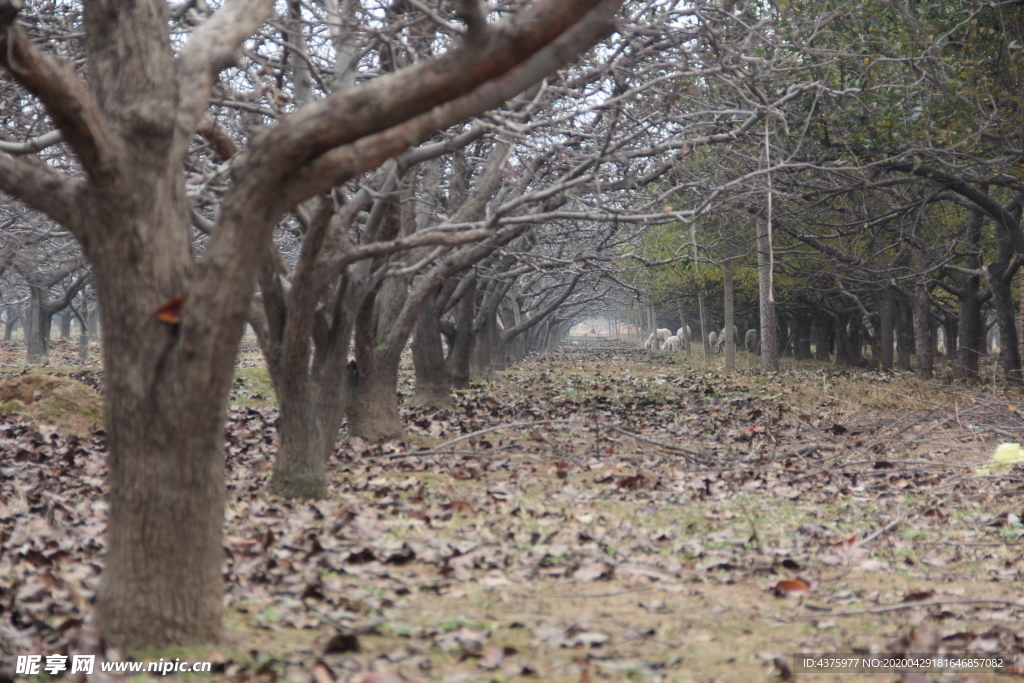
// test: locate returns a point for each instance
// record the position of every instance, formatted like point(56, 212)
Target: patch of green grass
point(57, 408)
point(452, 625)
point(253, 387)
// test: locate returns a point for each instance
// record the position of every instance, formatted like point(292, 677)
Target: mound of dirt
point(67, 404)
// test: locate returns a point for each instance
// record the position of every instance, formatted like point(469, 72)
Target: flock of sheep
point(664, 340)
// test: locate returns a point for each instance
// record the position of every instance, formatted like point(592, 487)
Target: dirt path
point(617, 516)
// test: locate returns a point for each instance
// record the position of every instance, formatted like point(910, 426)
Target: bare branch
point(346, 162)
point(43, 189)
point(210, 50)
point(32, 146)
point(465, 81)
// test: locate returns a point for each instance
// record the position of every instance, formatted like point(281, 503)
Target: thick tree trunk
point(971, 328)
point(166, 395)
point(312, 394)
point(373, 409)
point(784, 335)
point(37, 330)
point(305, 446)
point(971, 333)
point(769, 325)
point(433, 383)
point(856, 332)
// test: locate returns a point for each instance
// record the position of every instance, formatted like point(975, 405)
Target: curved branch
point(43, 189)
point(32, 146)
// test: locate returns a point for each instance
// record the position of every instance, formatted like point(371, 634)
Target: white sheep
point(712, 341)
point(673, 344)
point(657, 339)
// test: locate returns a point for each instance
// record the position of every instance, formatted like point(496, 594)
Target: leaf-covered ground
point(596, 513)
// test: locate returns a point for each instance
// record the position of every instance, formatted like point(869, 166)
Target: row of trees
point(893, 207)
point(346, 176)
point(326, 156)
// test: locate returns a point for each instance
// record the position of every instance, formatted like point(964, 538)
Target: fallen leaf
point(170, 311)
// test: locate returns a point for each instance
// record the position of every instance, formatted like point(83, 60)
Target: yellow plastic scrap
point(1006, 456)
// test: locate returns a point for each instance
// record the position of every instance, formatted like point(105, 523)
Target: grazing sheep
point(712, 341)
point(684, 335)
point(673, 344)
point(657, 339)
point(751, 341)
